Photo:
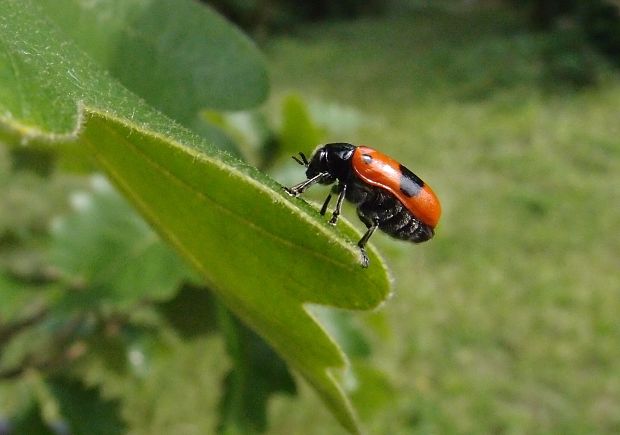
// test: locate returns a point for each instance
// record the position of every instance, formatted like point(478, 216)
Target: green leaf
point(371, 389)
point(192, 312)
point(14, 299)
point(112, 253)
point(367, 386)
point(340, 325)
point(124, 348)
point(37, 160)
point(249, 129)
point(299, 132)
point(257, 373)
point(84, 410)
point(19, 300)
point(266, 255)
point(215, 135)
point(180, 56)
point(29, 422)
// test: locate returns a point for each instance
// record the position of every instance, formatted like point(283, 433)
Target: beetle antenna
point(303, 161)
point(303, 158)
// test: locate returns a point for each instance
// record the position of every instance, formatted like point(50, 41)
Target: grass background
point(507, 321)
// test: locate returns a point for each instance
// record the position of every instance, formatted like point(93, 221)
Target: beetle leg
point(362, 243)
point(299, 188)
point(334, 190)
point(343, 191)
point(325, 204)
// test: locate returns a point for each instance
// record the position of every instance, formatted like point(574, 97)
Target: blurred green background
point(507, 321)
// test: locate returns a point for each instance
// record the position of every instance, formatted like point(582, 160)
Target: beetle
point(387, 194)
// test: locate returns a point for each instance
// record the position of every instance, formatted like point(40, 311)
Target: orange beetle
point(388, 195)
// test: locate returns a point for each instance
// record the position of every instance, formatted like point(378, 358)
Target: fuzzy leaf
point(180, 56)
point(265, 254)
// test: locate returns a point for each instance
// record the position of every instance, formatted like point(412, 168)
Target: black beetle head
point(333, 160)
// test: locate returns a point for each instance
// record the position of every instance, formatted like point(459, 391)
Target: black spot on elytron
point(367, 159)
point(410, 183)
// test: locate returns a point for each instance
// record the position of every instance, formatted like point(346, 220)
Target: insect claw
point(291, 191)
point(364, 262)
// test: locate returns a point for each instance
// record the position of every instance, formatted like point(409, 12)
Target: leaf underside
point(265, 255)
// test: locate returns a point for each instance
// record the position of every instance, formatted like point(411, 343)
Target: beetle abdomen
point(392, 217)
